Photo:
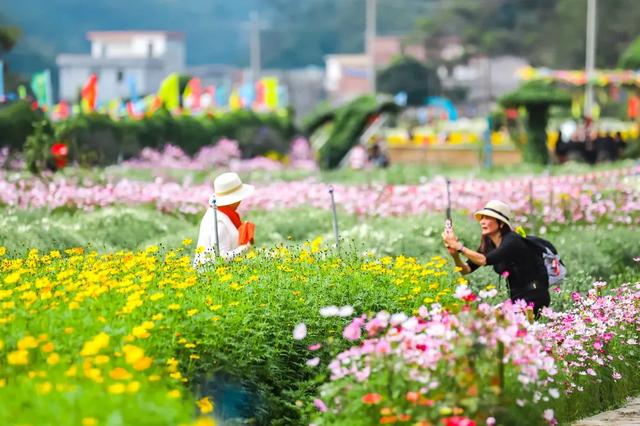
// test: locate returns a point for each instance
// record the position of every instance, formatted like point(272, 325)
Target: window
point(119, 76)
point(150, 50)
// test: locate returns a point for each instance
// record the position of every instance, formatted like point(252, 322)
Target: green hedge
point(97, 139)
point(349, 121)
point(16, 124)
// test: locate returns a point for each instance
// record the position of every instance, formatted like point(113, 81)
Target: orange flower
point(372, 398)
point(404, 417)
point(412, 396)
point(388, 420)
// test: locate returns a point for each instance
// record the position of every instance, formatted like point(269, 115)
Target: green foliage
point(407, 74)
point(96, 139)
point(630, 58)
point(537, 97)
point(16, 124)
point(38, 146)
point(591, 252)
point(348, 123)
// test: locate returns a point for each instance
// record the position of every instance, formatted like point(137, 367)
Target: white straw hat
point(229, 189)
point(497, 210)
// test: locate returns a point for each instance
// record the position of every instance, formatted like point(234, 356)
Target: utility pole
point(592, 6)
point(255, 25)
point(370, 38)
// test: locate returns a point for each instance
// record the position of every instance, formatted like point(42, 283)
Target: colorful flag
point(22, 92)
point(41, 87)
point(89, 94)
point(235, 102)
point(270, 92)
point(192, 94)
point(169, 92)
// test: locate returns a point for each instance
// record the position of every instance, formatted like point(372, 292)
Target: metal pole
point(335, 218)
point(215, 219)
point(370, 38)
point(254, 26)
point(531, 205)
point(592, 6)
point(448, 223)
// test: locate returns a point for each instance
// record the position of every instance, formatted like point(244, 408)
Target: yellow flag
point(169, 92)
point(235, 102)
point(270, 92)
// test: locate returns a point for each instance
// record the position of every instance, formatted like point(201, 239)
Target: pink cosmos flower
point(313, 362)
point(300, 331)
point(321, 406)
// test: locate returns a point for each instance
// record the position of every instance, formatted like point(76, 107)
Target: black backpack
point(549, 263)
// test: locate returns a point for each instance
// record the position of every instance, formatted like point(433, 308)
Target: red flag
point(90, 93)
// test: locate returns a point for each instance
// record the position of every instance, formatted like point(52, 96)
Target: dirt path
point(627, 415)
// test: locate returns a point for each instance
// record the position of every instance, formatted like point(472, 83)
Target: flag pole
point(335, 218)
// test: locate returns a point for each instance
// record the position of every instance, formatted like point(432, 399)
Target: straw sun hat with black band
point(497, 210)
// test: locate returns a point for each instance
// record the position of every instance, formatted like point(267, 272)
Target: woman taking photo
point(507, 252)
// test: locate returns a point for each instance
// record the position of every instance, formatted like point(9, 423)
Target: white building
point(122, 59)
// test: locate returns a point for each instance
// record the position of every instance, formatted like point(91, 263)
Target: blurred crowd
point(589, 145)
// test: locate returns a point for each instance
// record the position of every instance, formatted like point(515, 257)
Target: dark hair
point(486, 245)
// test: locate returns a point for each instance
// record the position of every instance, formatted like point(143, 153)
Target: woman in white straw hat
point(507, 252)
point(233, 238)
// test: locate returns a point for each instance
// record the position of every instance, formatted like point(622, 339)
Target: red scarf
point(231, 214)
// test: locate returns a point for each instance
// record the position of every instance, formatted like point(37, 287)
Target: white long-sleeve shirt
point(227, 236)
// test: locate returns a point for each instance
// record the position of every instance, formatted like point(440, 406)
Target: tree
point(407, 74)
point(536, 97)
point(630, 58)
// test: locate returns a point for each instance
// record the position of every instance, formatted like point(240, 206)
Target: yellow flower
point(205, 405)
point(132, 353)
point(174, 393)
point(3, 251)
point(133, 387)
point(157, 317)
point(71, 372)
point(156, 296)
point(117, 388)
point(120, 373)
point(1, 344)
point(174, 306)
point(192, 312)
point(154, 378)
point(142, 364)
point(140, 332)
point(68, 330)
point(44, 388)
point(93, 346)
point(204, 421)
point(101, 359)
point(12, 278)
point(19, 357)
point(200, 249)
point(53, 359)
point(3, 383)
point(48, 347)
point(27, 342)
point(89, 421)
point(186, 242)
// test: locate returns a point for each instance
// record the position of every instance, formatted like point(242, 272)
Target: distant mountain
point(298, 33)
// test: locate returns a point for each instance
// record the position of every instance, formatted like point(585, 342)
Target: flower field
point(103, 320)
point(613, 195)
point(141, 338)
